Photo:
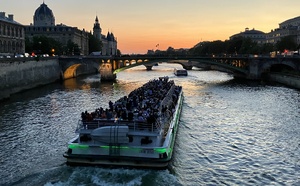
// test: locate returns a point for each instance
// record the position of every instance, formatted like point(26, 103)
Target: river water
point(230, 133)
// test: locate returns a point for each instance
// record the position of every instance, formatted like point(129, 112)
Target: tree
point(28, 45)
point(170, 51)
point(286, 43)
point(72, 48)
point(248, 47)
point(234, 45)
point(200, 49)
point(119, 52)
point(238, 45)
point(266, 48)
point(216, 47)
point(42, 45)
point(95, 45)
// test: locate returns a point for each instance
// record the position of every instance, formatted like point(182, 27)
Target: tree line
point(47, 45)
point(235, 46)
point(242, 45)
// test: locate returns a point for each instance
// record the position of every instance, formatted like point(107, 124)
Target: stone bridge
point(242, 67)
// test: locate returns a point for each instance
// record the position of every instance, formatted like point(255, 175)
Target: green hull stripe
point(78, 146)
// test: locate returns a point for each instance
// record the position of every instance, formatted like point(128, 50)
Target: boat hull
point(108, 161)
point(181, 72)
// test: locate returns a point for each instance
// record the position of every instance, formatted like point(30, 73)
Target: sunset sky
point(140, 25)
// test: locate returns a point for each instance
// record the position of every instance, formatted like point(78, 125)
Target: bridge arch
point(231, 66)
point(126, 64)
point(277, 65)
point(71, 71)
point(73, 67)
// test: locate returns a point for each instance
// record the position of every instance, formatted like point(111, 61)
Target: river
point(230, 133)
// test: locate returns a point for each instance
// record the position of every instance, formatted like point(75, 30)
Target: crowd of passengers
point(142, 104)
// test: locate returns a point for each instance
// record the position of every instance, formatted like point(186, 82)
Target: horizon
point(142, 26)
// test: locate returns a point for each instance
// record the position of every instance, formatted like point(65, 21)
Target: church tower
point(97, 29)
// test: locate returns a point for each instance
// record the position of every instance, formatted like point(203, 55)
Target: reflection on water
point(230, 133)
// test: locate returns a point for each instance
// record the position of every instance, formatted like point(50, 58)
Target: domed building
point(43, 16)
point(44, 25)
point(256, 35)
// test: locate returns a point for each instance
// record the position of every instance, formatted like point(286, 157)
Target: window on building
point(4, 46)
point(13, 46)
point(4, 30)
point(8, 30)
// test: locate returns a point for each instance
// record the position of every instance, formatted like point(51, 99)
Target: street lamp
point(40, 48)
point(52, 51)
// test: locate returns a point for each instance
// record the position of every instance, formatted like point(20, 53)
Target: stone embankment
point(20, 74)
point(288, 80)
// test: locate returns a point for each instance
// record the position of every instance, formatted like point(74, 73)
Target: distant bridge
point(243, 67)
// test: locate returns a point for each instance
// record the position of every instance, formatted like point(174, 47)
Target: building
point(290, 27)
point(275, 35)
point(255, 35)
point(109, 42)
point(12, 37)
point(44, 25)
point(290, 23)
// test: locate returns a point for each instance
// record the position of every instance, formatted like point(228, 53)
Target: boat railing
point(141, 126)
point(165, 122)
point(168, 99)
point(134, 125)
point(92, 124)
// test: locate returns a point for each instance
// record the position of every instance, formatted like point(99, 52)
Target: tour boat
point(138, 130)
point(180, 72)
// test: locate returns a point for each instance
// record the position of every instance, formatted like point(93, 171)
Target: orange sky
point(141, 25)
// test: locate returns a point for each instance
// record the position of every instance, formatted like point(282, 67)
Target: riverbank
point(285, 79)
point(18, 74)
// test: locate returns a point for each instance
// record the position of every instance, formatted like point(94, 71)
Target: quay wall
point(17, 75)
point(288, 80)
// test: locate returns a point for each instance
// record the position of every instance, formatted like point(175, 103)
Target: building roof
point(110, 37)
point(43, 10)
point(290, 20)
point(7, 19)
point(254, 34)
point(253, 31)
point(43, 16)
point(96, 24)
